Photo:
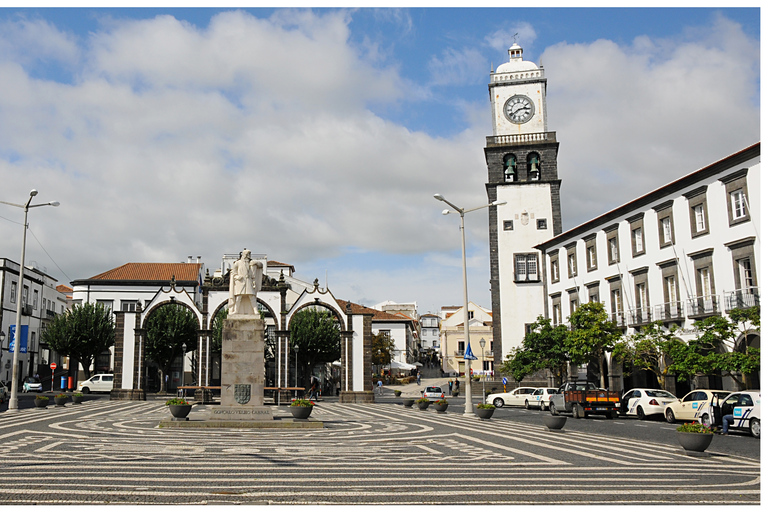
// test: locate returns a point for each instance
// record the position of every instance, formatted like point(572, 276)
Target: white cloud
point(458, 67)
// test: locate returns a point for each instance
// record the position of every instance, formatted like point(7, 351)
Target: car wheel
point(86, 390)
point(527, 405)
point(705, 420)
point(670, 416)
point(575, 411)
point(498, 403)
point(542, 406)
point(754, 427)
point(640, 413)
point(553, 409)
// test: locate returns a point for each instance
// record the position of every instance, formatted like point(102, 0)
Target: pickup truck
point(582, 398)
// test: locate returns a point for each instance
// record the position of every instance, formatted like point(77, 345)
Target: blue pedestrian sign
point(24, 333)
point(504, 381)
point(468, 355)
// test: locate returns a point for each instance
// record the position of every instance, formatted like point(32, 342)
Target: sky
point(319, 136)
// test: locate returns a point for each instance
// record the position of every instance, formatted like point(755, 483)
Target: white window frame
point(700, 218)
point(738, 204)
point(666, 230)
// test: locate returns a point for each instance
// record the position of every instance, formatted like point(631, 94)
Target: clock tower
point(522, 170)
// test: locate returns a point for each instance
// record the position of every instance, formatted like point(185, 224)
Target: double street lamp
point(13, 403)
point(461, 212)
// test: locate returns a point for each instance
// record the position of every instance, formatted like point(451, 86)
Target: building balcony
point(49, 313)
point(640, 316)
point(520, 138)
point(669, 312)
point(619, 319)
point(742, 299)
point(701, 307)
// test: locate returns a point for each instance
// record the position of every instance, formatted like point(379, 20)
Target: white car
point(98, 383)
point(646, 402)
point(433, 393)
point(4, 394)
point(32, 384)
point(541, 398)
point(745, 407)
point(519, 396)
point(694, 406)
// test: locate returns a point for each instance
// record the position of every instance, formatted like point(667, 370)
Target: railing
point(640, 316)
point(703, 306)
point(520, 138)
point(669, 311)
point(50, 313)
point(619, 319)
point(742, 299)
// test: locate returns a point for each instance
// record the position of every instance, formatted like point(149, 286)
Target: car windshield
point(721, 394)
point(32, 380)
point(434, 390)
point(660, 393)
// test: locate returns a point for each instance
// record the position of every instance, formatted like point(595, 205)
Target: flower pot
point(398, 393)
point(60, 400)
point(77, 399)
point(408, 402)
point(41, 403)
point(694, 441)
point(300, 412)
point(180, 412)
point(423, 405)
point(554, 422)
point(455, 393)
point(484, 414)
point(441, 407)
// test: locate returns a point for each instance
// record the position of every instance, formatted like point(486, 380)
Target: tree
point(591, 335)
point(82, 333)
point(216, 329)
point(544, 347)
point(382, 349)
point(317, 334)
point(168, 328)
point(649, 350)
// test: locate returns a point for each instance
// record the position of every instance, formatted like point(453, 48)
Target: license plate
point(600, 408)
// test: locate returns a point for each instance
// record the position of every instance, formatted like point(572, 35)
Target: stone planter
point(554, 422)
point(41, 403)
point(300, 412)
point(180, 412)
point(423, 405)
point(77, 399)
point(60, 400)
point(484, 414)
point(408, 402)
point(441, 408)
point(455, 393)
point(398, 393)
point(694, 441)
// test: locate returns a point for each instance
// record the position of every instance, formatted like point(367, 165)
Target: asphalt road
point(109, 452)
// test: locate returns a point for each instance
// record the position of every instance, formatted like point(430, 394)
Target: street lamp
point(461, 212)
point(482, 359)
point(13, 403)
point(183, 357)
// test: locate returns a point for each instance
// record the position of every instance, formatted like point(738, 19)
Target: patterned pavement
point(111, 452)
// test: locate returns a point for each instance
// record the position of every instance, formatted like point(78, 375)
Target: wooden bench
point(206, 392)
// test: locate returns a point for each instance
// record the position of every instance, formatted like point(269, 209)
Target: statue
point(244, 282)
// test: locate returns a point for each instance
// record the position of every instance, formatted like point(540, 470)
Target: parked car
point(433, 393)
point(582, 398)
point(745, 407)
point(32, 384)
point(541, 398)
point(4, 394)
point(101, 383)
point(694, 406)
point(519, 397)
point(646, 402)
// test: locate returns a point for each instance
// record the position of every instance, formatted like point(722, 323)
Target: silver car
point(433, 393)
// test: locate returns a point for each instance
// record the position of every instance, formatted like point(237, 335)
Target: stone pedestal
point(242, 371)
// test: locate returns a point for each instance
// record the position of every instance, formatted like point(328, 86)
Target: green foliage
point(543, 348)
point(216, 328)
point(592, 334)
point(168, 328)
point(422, 400)
point(646, 350)
point(82, 333)
point(485, 406)
point(318, 336)
point(696, 428)
point(176, 401)
point(382, 349)
point(302, 402)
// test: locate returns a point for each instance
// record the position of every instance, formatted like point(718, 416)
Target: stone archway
point(327, 375)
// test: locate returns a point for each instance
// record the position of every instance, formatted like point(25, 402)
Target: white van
point(98, 383)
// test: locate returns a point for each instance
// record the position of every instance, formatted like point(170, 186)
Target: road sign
point(504, 381)
point(53, 366)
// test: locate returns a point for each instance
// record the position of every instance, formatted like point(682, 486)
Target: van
point(101, 383)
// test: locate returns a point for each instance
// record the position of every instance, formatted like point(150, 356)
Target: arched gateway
point(278, 301)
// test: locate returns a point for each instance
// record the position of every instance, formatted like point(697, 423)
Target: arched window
point(510, 168)
point(534, 167)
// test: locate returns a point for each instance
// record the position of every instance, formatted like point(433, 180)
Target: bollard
point(70, 383)
point(63, 382)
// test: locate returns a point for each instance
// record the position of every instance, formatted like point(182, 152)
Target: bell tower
point(521, 156)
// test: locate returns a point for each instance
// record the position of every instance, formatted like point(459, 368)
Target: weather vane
point(514, 38)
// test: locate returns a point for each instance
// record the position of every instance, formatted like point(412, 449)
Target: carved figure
point(245, 282)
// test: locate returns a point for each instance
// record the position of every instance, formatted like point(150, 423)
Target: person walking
point(450, 386)
point(456, 385)
point(378, 385)
point(418, 378)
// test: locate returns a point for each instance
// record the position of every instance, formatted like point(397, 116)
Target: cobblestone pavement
point(106, 452)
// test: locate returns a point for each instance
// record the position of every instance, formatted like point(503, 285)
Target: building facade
point(454, 343)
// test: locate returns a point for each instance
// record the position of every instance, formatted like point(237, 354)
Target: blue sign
point(504, 381)
point(24, 333)
point(468, 355)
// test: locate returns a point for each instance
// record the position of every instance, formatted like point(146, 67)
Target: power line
point(46, 252)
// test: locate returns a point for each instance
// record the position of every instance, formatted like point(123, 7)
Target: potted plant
point(179, 408)
point(485, 411)
point(398, 392)
point(301, 408)
point(408, 402)
point(694, 437)
point(554, 422)
point(77, 398)
point(60, 399)
point(422, 403)
point(41, 401)
point(441, 405)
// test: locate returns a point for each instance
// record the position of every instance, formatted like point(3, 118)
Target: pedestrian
point(450, 386)
point(456, 385)
point(378, 385)
point(313, 390)
point(418, 378)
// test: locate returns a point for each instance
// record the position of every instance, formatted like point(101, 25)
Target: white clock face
point(519, 109)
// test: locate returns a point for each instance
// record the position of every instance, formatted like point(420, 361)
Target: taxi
point(518, 396)
point(540, 398)
point(646, 402)
point(694, 406)
point(745, 407)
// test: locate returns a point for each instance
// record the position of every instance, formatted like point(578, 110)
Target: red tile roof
point(357, 309)
point(62, 288)
point(151, 272)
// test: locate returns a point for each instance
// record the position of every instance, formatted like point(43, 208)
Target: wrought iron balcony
point(704, 306)
point(669, 312)
point(619, 319)
point(742, 299)
point(640, 316)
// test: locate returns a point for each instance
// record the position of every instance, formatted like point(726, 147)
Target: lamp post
point(461, 212)
point(296, 372)
point(13, 403)
point(183, 357)
point(482, 359)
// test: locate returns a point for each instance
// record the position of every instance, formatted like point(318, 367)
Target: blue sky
point(319, 137)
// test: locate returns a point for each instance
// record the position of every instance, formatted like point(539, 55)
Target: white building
point(430, 332)
point(41, 301)
point(453, 341)
point(680, 253)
